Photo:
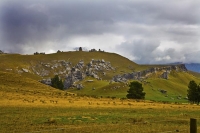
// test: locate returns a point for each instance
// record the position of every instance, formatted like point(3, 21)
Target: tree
point(135, 91)
point(80, 49)
point(57, 83)
point(193, 92)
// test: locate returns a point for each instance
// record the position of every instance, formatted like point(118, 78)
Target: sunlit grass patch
point(109, 115)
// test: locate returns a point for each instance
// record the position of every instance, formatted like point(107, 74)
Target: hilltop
point(96, 74)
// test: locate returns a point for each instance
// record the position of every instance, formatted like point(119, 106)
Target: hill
point(31, 65)
point(93, 74)
point(17, 90)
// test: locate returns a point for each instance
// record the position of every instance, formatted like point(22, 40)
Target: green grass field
point(176, 86)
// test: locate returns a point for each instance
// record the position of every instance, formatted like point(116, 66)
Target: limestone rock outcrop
point(96, 68)
point(144, 74)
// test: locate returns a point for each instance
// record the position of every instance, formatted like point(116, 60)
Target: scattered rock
point(90, 80)
point(46, 81)
point(25, 70)
point(79, 86)
point(8, 69)
point(164, 75)
point(163, 91)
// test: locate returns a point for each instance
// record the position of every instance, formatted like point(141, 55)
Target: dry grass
point(68, 113)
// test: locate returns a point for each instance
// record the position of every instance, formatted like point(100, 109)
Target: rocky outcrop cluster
point(144, 74)
point(75, 74)
point(72, 73)
point(80, 71)
point(96, 66)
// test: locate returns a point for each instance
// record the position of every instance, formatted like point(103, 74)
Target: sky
point(145, 31)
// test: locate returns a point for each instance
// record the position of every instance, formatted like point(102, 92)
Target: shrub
point(57, 83)
point(135, 91)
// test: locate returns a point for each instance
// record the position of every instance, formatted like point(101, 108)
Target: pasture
point(64, 112)
point(29, 107)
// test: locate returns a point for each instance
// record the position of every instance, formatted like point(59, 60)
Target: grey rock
point(46, 81)
point(79, 86)
point(25, 70)
point(8, 69)
point(104, 73)
point(20, 71)
point(144, 74)
point(163, 91)
point(164, 75)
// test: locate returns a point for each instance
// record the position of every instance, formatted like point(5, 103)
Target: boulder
point(104, 73)
point(46, 81)
point(163, 91)
point(164, 75)
point(79, 86)
point(25, 70)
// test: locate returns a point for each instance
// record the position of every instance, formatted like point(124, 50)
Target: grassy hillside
point(11, 79)
point(29, 106)
point(196, 74)
point(176, 87)
point(15, 62)
point(19, 88)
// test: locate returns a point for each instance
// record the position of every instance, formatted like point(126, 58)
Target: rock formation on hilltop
point(144, 74)
point(96, 68)
point(72, 73)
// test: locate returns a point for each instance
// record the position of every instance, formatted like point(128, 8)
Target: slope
point(175, 87)
point(18, 76)
point(15, 62)
point(15, 88)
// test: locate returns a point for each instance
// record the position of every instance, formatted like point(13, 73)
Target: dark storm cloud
point(36, 22)
point(147, 31)
point(20, 24)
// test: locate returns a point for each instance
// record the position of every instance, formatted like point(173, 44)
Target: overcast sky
point(145, 31)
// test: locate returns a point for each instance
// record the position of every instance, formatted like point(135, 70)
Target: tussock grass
point(84, 114)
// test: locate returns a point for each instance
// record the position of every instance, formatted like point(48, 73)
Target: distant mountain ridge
point(193, 67)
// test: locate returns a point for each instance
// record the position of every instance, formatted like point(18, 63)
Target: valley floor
point(30, 114)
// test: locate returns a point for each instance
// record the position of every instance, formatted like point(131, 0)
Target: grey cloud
point(35, 25)
point(192, 57)
point(146, 51)
point(142, 51)
point(26, 22)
